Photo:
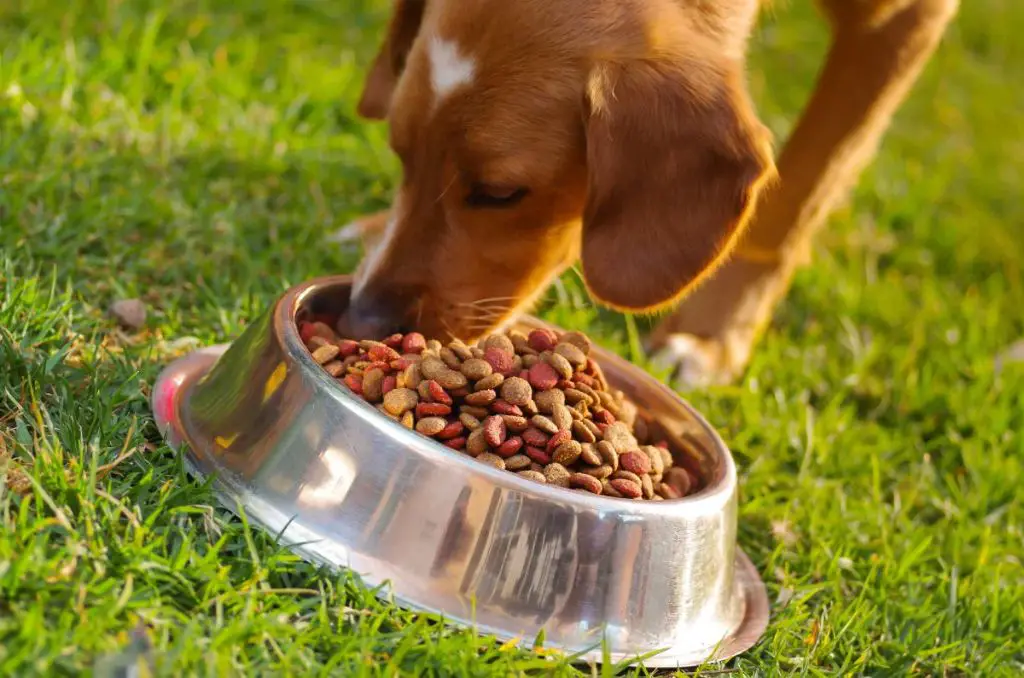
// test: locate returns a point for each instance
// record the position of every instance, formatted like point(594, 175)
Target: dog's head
point(538, 131)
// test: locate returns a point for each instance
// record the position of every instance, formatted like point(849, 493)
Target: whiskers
point(480, 316)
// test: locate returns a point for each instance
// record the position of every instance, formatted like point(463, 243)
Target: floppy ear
point(675, 160)
point(390, 61)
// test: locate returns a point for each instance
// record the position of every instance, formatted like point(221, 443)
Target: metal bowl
point(345, 486)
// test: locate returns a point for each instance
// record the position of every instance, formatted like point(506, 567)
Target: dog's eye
point(484, 195)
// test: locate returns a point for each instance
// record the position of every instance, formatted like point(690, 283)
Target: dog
point(619, 133)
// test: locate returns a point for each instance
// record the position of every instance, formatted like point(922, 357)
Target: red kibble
point(535, 437)
point(627, 488)
point(459, 392)
point(394, 341)
point(586, 482)
point(542, 376)
point(602, 427)
point(383, 354)
point(384, 367)
point(306, 332)
point(355, 383)
point(389, 383)
point(437, 393)
point(414, 342)
point(510, 447)
point(562, 436)
point(455, 443)
point(635, 462)
point(566, 383)
point(500, 361)
point(662, 444)
point(604, 417)
point(401, 364)
point(452, 430)
point(433, 410)
point(584, 379)
point(494, 430)
point(500, 406)
point(538, 455)
point(348, 347)
point(542, 340)
point(324, 318)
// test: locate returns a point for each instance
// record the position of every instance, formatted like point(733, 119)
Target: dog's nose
point(372, 316)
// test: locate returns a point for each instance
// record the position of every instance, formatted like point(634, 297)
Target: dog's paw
point(694, 362)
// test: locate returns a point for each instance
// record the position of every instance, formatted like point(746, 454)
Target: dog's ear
point(390, 61)
point(675, 160)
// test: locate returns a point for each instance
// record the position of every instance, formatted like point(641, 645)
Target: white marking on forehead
point(373, 259)
point(449, 68)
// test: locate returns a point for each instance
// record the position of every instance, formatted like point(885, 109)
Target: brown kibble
point(627, 488)
point(514, 423)
point(561, 417)
point(628, 475)
point(326, 354)
point(491, 381)
point(492, 460)
point(589, 455)
point(618, 435)
point(335, 368)
point(556, 474)
point(476, 442)
point(450, 359)
point(535, 476)
point(408, 420)
point(586, 482)
point(431, 426)
point(494, 430)
point(517, 462)
point(460, 349)
point(640, 430)
point(574, 395)
point(647, 486)
point(546, 400)
point(477, 369)
point(544, 424)
point(411, 376)
point(572, 353)
point(568, 452)
point(609, 491)
point(657, 465)
point(579, 340)
point(583, 433)
point(432, 367)
point(450, 379)
point(481, 398)
point(516, 391)
point(599, 472)
point(561, 365)
point(474, 411)
point(398, 401)
point(131, 314)
point(666, 491)
point(500, 342)
point(469, 421)
point(373, 385)
point(666, 457)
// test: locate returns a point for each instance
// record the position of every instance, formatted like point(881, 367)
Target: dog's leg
point(878, 50)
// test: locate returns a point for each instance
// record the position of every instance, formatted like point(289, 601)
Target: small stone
point(129, 313)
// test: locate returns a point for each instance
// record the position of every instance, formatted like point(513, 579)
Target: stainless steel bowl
point(347, 487)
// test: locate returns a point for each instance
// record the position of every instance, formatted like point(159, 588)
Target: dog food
point(535, 405)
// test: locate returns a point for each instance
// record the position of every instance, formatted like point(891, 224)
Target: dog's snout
point(374, 316)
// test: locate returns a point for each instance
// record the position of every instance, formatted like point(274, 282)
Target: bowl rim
point(717, 492)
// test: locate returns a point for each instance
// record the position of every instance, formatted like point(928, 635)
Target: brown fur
point(630, 124)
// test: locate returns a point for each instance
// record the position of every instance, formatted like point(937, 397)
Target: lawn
point(196, 155)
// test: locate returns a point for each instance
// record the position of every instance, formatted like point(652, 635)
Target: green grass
point(196, 154)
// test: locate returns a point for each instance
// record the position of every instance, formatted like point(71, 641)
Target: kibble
point(536, 405)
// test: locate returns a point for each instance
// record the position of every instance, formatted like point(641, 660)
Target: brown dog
point(619, 132)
